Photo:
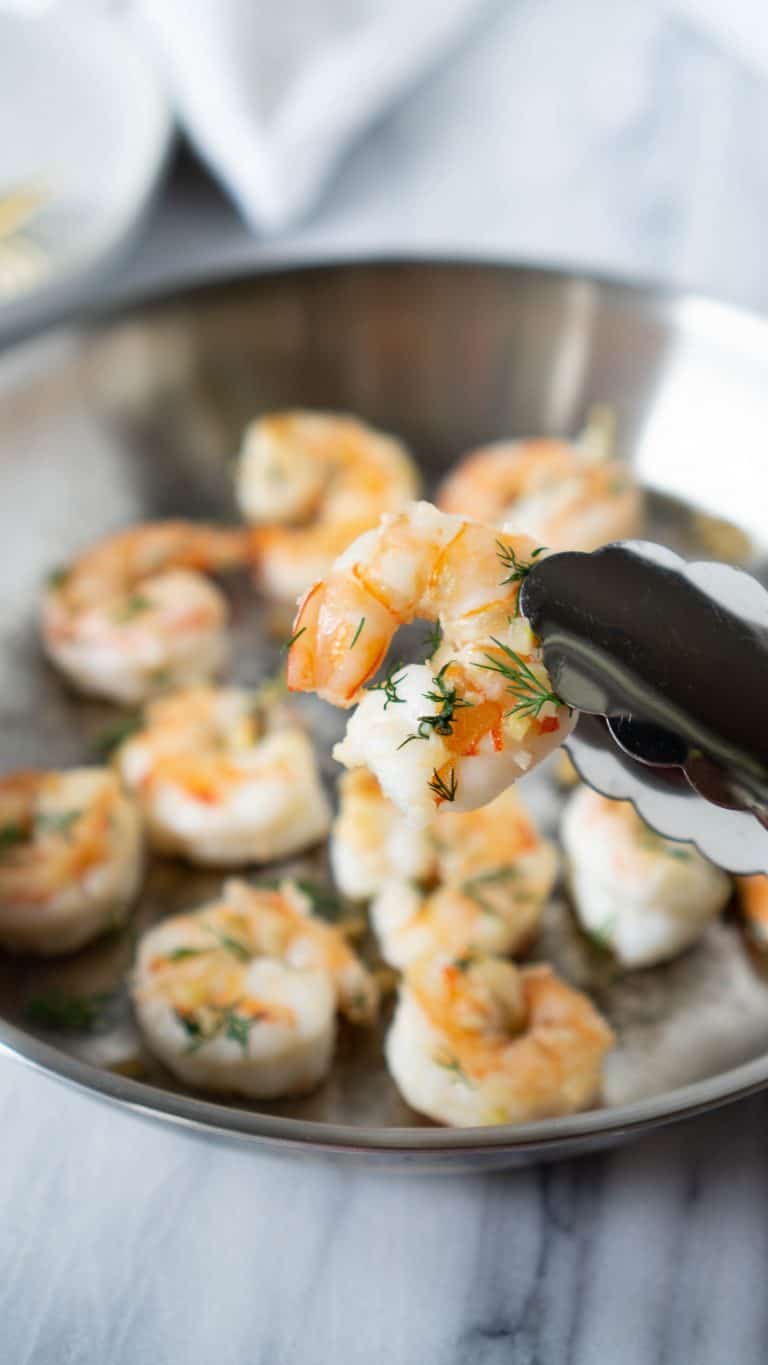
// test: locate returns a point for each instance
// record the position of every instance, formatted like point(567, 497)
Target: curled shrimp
point(372, 843)
point(225, 778)
point(480, 1041)
point(70, 858)
point(460, 729)
point(552, 489)
point(494, 873)
point(135, 614)
point(644, 897)
point(311, 482)
point(753, 902)
point(242, 994)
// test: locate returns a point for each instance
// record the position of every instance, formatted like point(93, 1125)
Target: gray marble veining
point(124, 1241)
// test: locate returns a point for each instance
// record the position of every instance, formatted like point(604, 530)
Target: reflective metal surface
point(138, 416)
point(673, 656)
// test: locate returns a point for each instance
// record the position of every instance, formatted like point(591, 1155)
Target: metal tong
point(667, 664)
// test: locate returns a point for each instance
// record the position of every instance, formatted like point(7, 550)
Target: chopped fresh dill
point(232, 945)
point(57, 822)
point(70, 1013)
point(238, 1027)
point(179, 954)
point(439, 722)
point(472, 887)
point(530, 693)
point(112, 736)
point(325, 901)
point(389, 686)
point(518, 568)
point(225, 1020)
point(11, 836)
point(286, 646)
point(434, 639)
point(602, 936)
point(444, 791)
point(57, 578)
point(131, 607)
point(356, 635)
point(452, 1064)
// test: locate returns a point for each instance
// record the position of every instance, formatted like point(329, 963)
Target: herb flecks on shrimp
point(137, 614)
point(389, 687)
point(490, 875)
point(70, 858)
point(261, 1020)
point(445, 696)
point(479, 1041)
point(310, 482)
point(518, 568)
point(530, 690)
point(423, 564)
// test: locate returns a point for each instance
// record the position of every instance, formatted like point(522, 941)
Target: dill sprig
point(225, 1021)
point(57, 578)
point(434, 639)
point(356, 635)
point(230, 944)
point(287, 644)
point(389, 686)
point(131, 607)
point(439, 722)
point(452, 1064)
point(11, 835)
point(181, 954)
point(530, 693)
point(518, 568)
point(444, 791)
point(116, 734)
point(57, 822)
point(69, 1013)
point(326, 903)
point(472, 886)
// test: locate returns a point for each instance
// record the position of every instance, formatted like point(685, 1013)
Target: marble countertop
point(122, 1241)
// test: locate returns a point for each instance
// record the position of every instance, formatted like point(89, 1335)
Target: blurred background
point(149, 141)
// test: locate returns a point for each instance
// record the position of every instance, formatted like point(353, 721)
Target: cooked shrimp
point(70, 858)
point(372, 842)
point(753, 902)
point(495, 872)
point(644, 897)
point(482, 713)
point(242, 995)
point(134, 615)
point(480, 1041)
point(551, 489)
point(312, 482)
point(224, 778)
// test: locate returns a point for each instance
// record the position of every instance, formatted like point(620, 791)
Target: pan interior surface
point(138, 416)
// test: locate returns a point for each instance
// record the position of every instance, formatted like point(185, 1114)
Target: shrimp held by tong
point(135, 614)
point(310, 482)
point(481, 713)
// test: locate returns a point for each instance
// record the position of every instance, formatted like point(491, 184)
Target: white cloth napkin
point(273, 92)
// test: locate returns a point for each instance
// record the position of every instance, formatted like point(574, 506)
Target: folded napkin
point(272, 92)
